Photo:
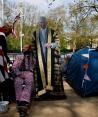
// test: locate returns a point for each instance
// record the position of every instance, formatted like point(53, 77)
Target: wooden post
point(21, 24)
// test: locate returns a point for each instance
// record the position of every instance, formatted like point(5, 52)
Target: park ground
point(73, 106)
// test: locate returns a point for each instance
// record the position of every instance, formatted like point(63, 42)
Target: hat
point(27, 47)
point(8, 28)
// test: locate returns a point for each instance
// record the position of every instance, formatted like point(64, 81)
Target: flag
point(3, 65)
point(16, 18)
point(14, 28)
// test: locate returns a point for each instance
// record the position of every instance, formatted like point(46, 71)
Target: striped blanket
point(3, 66)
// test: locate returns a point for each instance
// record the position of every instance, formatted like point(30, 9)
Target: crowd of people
point(37, 71)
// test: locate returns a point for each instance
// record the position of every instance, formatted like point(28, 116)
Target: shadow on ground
point(73, 106)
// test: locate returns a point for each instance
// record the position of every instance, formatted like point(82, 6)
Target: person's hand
point(21, 76)
point(47, 45)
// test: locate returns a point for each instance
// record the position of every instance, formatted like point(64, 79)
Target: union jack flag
point(3, 65)
point(14, 29)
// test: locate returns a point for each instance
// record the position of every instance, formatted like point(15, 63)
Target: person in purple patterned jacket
point(24, 81)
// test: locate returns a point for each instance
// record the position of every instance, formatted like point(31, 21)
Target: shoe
point(22, 114)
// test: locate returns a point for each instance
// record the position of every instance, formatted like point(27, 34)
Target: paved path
point(73, 106)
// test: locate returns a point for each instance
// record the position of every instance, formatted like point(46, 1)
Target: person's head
point(27, 49)
point(42, 22)
point(8, 28)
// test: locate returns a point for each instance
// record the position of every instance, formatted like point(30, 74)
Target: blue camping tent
point(82, 71)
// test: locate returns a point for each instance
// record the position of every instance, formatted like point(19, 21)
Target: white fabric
point(85, 55)
point(54, 45)
point(1, 61)
point(86, 77)
point(1, 33)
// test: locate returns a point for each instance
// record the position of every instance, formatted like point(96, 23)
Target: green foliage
point(83, 25)
point(82, 42)
point(14, 44)
point(58, 27)
point(63, 44)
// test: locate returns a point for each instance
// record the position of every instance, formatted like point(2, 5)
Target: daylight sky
point(42, 5)
point(46, 4)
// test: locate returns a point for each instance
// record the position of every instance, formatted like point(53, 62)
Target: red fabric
point(27, 47)
point(1, 52)
point(13, 31)
point(2, 29)
point(85, 66)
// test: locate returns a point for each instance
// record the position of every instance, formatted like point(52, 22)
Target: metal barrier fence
point(12, 56)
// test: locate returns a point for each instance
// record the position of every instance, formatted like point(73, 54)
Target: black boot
point(23, 111)
point(23, 107)
point(22, 114)
point(17, 105)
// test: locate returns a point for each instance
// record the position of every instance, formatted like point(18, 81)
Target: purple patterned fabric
point(24, 81)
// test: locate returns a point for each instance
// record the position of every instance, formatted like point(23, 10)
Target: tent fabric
point(82, 71)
